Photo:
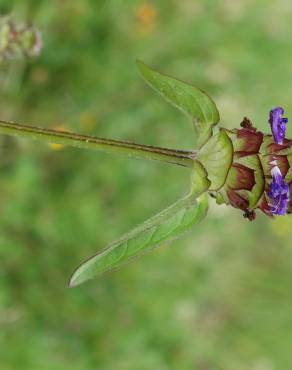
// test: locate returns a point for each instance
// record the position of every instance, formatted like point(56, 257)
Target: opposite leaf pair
point(241, 167)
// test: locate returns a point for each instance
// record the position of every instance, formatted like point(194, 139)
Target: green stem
point(179, 157)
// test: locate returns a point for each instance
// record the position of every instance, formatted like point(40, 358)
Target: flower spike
point(278, 124)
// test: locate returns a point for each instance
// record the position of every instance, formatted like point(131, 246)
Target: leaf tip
point(76, 279)
point(141, 66)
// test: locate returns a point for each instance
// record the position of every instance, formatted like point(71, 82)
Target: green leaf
point(189, 99)
point(164, 227)
point(216, 157)
point(199, 178)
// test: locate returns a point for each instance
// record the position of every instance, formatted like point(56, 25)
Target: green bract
point(217, 150)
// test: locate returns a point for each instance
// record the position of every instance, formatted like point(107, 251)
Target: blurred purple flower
point(278, 124)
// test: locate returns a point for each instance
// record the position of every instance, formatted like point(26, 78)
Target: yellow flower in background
point(57, 146)
point(146, 18)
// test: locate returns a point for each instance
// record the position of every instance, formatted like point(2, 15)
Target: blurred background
point(220, 298)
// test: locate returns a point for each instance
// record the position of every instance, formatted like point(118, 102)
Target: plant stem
point(179, 157)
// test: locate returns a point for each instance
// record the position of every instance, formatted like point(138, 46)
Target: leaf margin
point(79, 276)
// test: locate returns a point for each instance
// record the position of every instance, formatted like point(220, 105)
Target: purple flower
point(279, 193)
point(278, 124)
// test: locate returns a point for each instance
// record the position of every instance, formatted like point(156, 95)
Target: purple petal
point(276, 173)
point(279, 193)
point(278, 124)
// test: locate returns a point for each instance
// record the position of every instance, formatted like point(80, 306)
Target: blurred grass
point(217, 299)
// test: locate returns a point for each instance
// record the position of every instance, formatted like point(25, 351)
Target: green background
point(219, 298)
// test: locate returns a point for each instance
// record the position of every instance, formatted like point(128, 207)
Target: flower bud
point(18, 40)
point(260, 171)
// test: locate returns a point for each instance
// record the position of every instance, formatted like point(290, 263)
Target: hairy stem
point(179, 157)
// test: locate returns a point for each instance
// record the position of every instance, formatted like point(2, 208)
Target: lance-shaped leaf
point(189, 99)
point(164, 227)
